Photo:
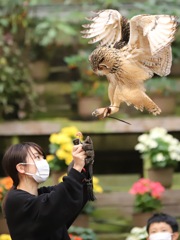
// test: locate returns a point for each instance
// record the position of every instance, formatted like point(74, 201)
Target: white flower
point(174, 156)
point(168, 138)
point(157, 132)
point(143, 138)
point(132, 238)
point(152, 144)
point(137, 230)
point(156, 141)
point(141, 147)
point(160, 157)
point(174, 141)
point(137, 233)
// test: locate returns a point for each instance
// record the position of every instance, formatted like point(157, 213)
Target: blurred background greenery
point(44, 73)
point(42, 52)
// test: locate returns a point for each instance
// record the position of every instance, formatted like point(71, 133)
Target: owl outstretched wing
point(106, 28)
point(152, 32)
point(147, 32)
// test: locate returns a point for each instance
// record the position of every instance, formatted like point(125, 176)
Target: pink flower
point(143, 186)
point(156, 189)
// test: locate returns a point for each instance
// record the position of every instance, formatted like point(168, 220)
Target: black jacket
point(48, 215)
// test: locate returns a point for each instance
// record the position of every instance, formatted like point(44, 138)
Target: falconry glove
point(87, 146)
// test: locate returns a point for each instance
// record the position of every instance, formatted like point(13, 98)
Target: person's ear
point(175, 236)
point(20, 168)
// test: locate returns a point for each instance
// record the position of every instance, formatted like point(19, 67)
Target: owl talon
point(101, 112)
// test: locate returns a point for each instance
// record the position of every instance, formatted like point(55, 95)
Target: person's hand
point(79, 156)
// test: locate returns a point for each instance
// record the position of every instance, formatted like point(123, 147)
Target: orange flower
point(73, 237)
point(1, 189)
point(6, 182)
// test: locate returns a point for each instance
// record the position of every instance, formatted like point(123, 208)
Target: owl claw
point(101, 112)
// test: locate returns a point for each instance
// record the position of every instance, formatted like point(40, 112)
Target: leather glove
point(87, 146)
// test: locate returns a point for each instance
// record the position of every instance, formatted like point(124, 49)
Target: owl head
point(102, 60)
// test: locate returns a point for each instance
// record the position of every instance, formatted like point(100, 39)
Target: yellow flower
point(61, 154)
point(68, 158)
point(59, 138)
point(67, 147)
point(63, 138)
point(53, 138)
point(97, 188)
point(49, 157)
point(70, 131)
point(5, 237)
point(95, 180)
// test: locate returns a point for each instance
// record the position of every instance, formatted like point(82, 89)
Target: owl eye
point(102, 66)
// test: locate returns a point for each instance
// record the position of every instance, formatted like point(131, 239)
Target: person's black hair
point(17, 154)
point(163, 217)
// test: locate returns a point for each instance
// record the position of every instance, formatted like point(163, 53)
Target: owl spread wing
point(147, 32)
point(105, 28)
point(152, 31)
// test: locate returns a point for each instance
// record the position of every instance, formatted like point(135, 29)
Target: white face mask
point(42, 173)
point(160, 236)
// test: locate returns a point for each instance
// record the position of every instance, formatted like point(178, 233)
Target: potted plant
point(5, 185)
point(160, 152)
point(43, 37)
point(60, 149)
point(163, 92)
point(88, 91)
point(147, 200)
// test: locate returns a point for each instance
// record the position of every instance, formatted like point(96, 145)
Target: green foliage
point(145, 203)
point(89, 83)
point(87, 88)
point(161, 86)
point(17, 98)
point(88, 209)
point(49, 31)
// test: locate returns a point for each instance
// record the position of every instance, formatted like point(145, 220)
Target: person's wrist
point(78, 167)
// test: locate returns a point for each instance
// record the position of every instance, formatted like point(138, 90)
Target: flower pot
point(140, 219)
point(86, 105)
point(162, 175)
point(39, 70)
point(55, 175)
point(3, 225)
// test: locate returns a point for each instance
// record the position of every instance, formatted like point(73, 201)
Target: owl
point(130, 51)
